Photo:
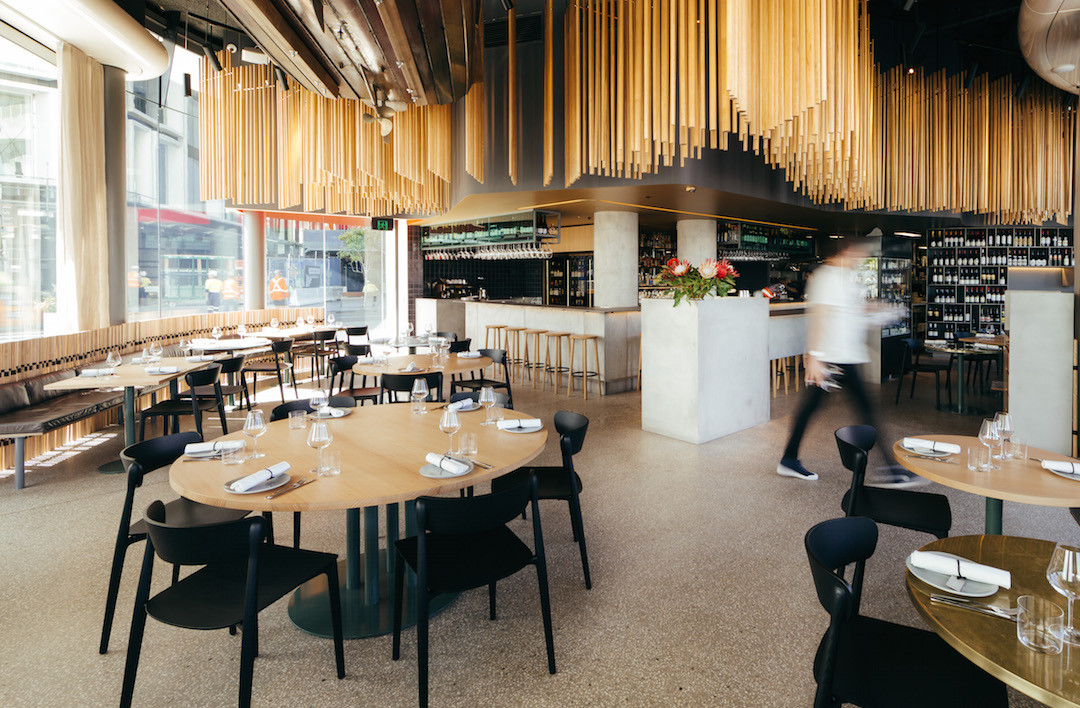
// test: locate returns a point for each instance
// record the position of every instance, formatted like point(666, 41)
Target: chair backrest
point(471, 515)
point(855, 443)
point(149, 455)
point(342, 402)
point(203, 377)
point(572, 428)
point(207, 544)
point(403, 383)
point(341, 364)
point(460, 345)
point(357, 349)
point(281, 347)
point(233, 365)
point(356, 331)
point(324, 335)
point(497, 356)
point(281, 412)
point(501, 399)
point(450, 336)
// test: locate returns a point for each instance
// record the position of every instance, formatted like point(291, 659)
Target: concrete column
point(696, 240)
point(615, 261)
point(254, 260)
point(116, 190)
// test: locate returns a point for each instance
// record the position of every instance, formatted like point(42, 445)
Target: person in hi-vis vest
point(213, 291)
point(279, 290)
point(230, 293)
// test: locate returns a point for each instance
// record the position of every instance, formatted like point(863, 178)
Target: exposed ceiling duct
point(1049, 34)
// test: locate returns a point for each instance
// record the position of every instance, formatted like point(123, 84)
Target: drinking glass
point(241, 330)
point(184, 346)
point(310, 319)
point(155, 351)
point(216, 333)
point(333, 464)
point(1039, 624)
point(319, 436)
point(466, 445)
point(254, 426)
point(331, 319)
point(419, 393)
point(319, 402)
point(487, 400)
point(450, 424)
point(113, 359)
point(977, 458)
point(1018, 449)
point(408, 329)
point(274, 323)
point(1004, 423)
point(1063, 573)
point(988, 435)
point(145, 356)
point(297, 420)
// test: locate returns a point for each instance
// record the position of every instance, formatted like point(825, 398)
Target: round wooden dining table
point(396, 364)
point(990, 642)
point(382, 449)
point(1022, 481)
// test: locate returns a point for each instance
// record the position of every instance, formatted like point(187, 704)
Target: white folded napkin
point(204, 357)
point(255, 478)
point(201, 448)
point(447, 464)
point(930, 445)
point(365, 360)
point(159, 370)
point(97, 372)
point(983, 335)
point(934, 341)
point(522, 423)
point(465, 404)
point(469, 355)
point(410, 367)
point(1062, 466)
point(969, 570)
point(139, 359)
point(980, 345)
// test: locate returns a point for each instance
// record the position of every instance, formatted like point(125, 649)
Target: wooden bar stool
point(512, 342)
point(500, 336)
point(553, 364)
point(584, 373)
point(527, 363)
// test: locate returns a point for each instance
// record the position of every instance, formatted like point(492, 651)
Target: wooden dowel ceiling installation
point(649, 82)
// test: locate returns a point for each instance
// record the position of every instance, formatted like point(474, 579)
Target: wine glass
point(330, 319)
point(1004, 424)
point(988, 435)
point(216, 333)
point(1063, 573)
point(487, 400)
point(274, 323)
point(241, 330)
point(408, 330)
point(450, 424)
point(156, 351)
point(113, 359)
point(319, 401)
point(419, 393)
point(319, 437)
point(184, 346)
point(254, 426)
point(310, 319)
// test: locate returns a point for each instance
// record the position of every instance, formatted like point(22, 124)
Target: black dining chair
point(448, 336)
point(916, 360)
point(393, 385)
point(459, 346)
point(342, 366)
point(171, 409)
point(871, 662)
point(139, 460)
point(230, 371)
point(351, 332)
point(498, 359)
point(461, 544)
point(322, 346)
point(278, 365)
point(903, 508)
point(563, 482)
point(240, 576)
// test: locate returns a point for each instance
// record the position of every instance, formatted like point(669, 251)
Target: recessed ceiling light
point(911, 70)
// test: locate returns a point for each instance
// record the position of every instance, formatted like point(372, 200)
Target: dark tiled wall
point(501, 279)
point(416, 270)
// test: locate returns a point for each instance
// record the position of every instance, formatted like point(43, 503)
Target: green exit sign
point(382, 224)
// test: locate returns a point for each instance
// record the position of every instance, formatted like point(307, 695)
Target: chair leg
point(175, 573)
point(138, 625)
point(142, 427)
point(296, 529)
point(248, 651)
point(422, 644)
point(269, 519)
point(491, 601)
point(221, 417)
point(545, 610)
point(397, 608)
point(335, 618)
point(198, 424)
point(579, 535)
point(119, 553)
point(937, 388)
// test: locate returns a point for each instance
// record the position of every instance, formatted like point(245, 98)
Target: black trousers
point(851, 385)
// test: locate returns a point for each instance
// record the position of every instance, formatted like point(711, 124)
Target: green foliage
point(352, 245)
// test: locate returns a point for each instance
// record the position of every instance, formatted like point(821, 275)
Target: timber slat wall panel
point(28, 358)
point(795, 82)
point(285, 146)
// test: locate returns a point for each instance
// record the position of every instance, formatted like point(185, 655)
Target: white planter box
point(705, 367)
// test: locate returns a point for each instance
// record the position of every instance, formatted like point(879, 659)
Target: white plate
point(439, 473)
point(970, 588)
point(1066, 475)
point(925, 451)
point(333, 413)
point(469, 407)
point(526, 429)
point(272, 483)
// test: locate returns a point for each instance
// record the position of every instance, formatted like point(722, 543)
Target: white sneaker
point(789, 467)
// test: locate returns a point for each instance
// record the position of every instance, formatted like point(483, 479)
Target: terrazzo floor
point(701, 591)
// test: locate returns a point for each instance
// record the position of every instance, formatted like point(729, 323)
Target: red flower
point(724, 269)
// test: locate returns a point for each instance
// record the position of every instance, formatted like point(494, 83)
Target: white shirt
point(839, 310)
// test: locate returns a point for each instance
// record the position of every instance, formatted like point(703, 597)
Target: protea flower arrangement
point(710, 278)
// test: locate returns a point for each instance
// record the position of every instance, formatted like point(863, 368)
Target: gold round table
point(382, 449)
point(990, 642)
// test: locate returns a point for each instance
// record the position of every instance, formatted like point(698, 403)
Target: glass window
point(29, 135)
